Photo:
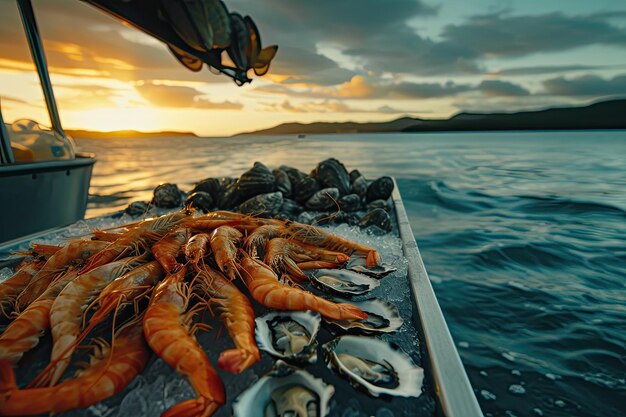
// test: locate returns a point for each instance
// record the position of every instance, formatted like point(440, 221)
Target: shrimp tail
point(236, 360)
point(197, 407)
point(373, 258)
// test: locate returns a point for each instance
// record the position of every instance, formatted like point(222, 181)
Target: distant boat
point(301, 136)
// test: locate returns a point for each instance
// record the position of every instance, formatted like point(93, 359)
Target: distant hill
point(92, 134)
point(603, 115)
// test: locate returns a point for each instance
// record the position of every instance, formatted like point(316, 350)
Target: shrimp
point(110, 370)
point(196, 248)
point(13, 286)
point(106, 236)
point(244, 222)
point(224, 242)
point(79, 250)
point(237, 316)
point(166, 327)
point(24, 332)
point(67, 312)
point(257, 240)
point(312, 235)
point(142, 235)
point(167, 248)
point(265, 288)
point(285, 256)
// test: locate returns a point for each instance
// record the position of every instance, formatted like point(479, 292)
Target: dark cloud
point(586, 85)
point(504, 35)
point(496, 88)
point(180, 96)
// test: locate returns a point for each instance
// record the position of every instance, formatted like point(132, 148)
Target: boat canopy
point(198, 32)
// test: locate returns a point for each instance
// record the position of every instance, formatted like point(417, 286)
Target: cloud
point(328, 106)
point(504, 35)
point(586, 85)
point(496, 88)
point(550, 69)
point(180, 96)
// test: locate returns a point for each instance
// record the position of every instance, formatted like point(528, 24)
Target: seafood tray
point(421, 333)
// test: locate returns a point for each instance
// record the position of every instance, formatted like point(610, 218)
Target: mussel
point(257, 180)
point(382, 317)
point(332, 174)
point(262, 204)
point(324, 199)
point(375, 366)
point(343, 281)
point(167, 196)
point(285, 392)
point(289, 335)
point(379, 189)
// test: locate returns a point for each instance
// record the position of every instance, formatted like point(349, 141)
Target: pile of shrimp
point(143, 285)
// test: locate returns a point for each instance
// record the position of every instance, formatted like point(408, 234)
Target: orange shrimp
point(197, 248)
point(67, 311)
point(106, 236)
point(167, 248)
point(244, 222)
point(111, 369)
point(45, 250)
point(142, 235)
point(79, 250)
point(24, 332)
point(224, 242)
point(265, 288)
point(315, 236)
point(286, 256)
point(237, 316)
point(257, 240)
point(166, 327)
point(13, 286)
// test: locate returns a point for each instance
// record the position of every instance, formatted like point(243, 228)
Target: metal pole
point(6, 154)
point(36, 50)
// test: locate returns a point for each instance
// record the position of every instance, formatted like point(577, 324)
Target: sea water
point(523, 235)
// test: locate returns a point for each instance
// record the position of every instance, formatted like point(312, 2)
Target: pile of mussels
point(329, 194)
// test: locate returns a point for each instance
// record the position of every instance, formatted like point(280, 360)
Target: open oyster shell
point(285, 391)
point(357, 264)
point(289, 335)
point(383, 317)
point(343, 281)
point(375, 366)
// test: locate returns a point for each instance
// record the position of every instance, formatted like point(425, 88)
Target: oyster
point(343, 281)
point(379, 189)
point(262, 204)
point(283, 183)
point(382, 317)
point(323, 199)
point(373, 365)
point(289, 335)
point(257, 180)
point(285, 392)
point(167, 196)
point(332, 174)
point(377, 217)
point(200, 200)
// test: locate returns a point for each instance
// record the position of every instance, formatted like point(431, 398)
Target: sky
point(338, 60)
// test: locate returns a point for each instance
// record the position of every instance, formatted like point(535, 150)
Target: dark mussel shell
point(379, 189)
point(304, 188)
point(262, 204)
point(291, 208)
point(332, 174)
point(283, 183)
point(200, 200)
point(359, 186)
point(294, 174)
point(350, 202)
point(322, 200)
point(229, 197)
point(136, 208)
point(167, 196)
point(257, 180)
point(377, 217)
point(382, 204)
point(212, 186)
point(354, 174)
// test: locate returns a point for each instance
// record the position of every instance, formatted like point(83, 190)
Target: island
point(94, 134)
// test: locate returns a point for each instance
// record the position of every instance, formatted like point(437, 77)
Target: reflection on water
point(523, 234)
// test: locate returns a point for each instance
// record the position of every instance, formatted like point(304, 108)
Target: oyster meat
point(343, 281)
point(289, 335)
point(285, 392)
point(374, 366)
